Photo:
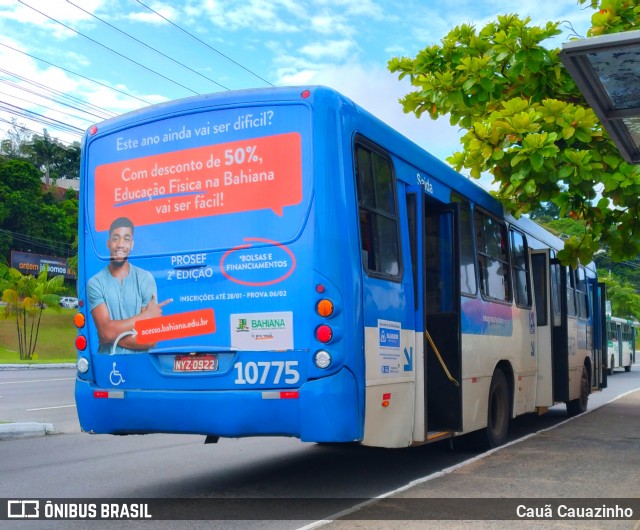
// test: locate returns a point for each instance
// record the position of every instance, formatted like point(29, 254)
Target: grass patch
point(55, 339)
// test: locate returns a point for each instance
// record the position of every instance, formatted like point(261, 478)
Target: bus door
point(433, 231)
point(540, 271)
point(443, 350)
point(599, 372)
point(560, 331)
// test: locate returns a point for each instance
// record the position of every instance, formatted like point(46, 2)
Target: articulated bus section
point(280, 262)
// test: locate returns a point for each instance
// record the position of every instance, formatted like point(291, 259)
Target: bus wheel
point(579, 405)
point(498, 411)
point(627, 368)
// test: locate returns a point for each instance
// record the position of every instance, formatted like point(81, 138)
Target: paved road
point(47, 396)
point(35, 395)
point(167, 466)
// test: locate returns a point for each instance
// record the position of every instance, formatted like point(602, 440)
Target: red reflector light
point(289, 395)
point(100, 394)
point(324, 333)
point(305, 94)
point(93, 130)
point(81, 342)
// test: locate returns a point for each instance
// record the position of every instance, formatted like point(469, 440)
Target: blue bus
point(281, 262)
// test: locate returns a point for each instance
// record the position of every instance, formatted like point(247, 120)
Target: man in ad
point(121, 294)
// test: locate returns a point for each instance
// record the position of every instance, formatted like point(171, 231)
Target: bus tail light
point(322, 359)
point(81, 342)
point(324, 307)
point(79, 320)
point(82, 365)
point(324, 333)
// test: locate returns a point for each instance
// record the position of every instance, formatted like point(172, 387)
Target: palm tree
point(26, 297)
point(42, 152)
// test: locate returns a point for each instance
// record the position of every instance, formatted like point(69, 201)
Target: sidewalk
point(592, 460)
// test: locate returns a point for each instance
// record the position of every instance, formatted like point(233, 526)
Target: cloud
point(337, 49)
point(148, 17)
point(377, 90)
point(258, 15)
point(331, 24)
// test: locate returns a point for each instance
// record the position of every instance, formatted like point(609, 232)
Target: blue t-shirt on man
point(124, 300)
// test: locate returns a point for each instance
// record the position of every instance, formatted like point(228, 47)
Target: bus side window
point(377, 212)
point(539, 267)
point(556, 282)
point(493, 258)
point(582, 293)
point(467, 250)
point(571, 293)
point(520, 264)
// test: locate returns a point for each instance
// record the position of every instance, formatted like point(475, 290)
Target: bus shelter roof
point(607, 71)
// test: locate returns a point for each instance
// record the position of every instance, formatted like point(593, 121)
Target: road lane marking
point(49, 408)
point(36, 381)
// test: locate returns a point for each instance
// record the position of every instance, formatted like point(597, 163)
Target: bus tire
point(627, 368)
point(498, 411)
point(579, 405)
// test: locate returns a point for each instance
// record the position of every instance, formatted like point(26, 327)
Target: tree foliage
point(625, 301)
point(622, 278)
point(26, 297)
point(49, 155)
point(528, 125)
point(31, 217)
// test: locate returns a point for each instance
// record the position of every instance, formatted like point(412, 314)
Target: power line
point(40, 104)
point(107, 48)
point(25, 113)
point(57, 96)
point(37, 133)
point(205, 44)
point(147, 46)
point(76, 74)
point(39, 241)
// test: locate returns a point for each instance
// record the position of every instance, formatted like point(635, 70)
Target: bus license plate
point(195, 363)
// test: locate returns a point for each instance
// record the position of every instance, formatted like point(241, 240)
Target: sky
point(77, 62)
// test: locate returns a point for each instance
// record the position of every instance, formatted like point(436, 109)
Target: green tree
point(26, 297)
point(18, 135)
point(43, 152)
point(31, 219)
point(528, 125)
point(67, 161)
point(625, 300)
point(20, 197)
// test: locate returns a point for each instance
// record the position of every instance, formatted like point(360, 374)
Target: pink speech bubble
point(254, 174)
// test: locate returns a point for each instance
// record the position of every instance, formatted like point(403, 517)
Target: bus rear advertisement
point(281, 262)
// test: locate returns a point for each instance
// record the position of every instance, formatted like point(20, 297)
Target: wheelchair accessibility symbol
point(115, 376)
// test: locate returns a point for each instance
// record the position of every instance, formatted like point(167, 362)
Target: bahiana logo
point(23, 509)
point(242, 325)
point(268, 323)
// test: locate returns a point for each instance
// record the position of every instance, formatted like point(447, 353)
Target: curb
point(36, 366)
point(11, 431)
point(30, 429)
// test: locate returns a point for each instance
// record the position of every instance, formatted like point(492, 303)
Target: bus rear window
point(187, 181)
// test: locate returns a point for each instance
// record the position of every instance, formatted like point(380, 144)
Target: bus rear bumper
point(323, 410)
